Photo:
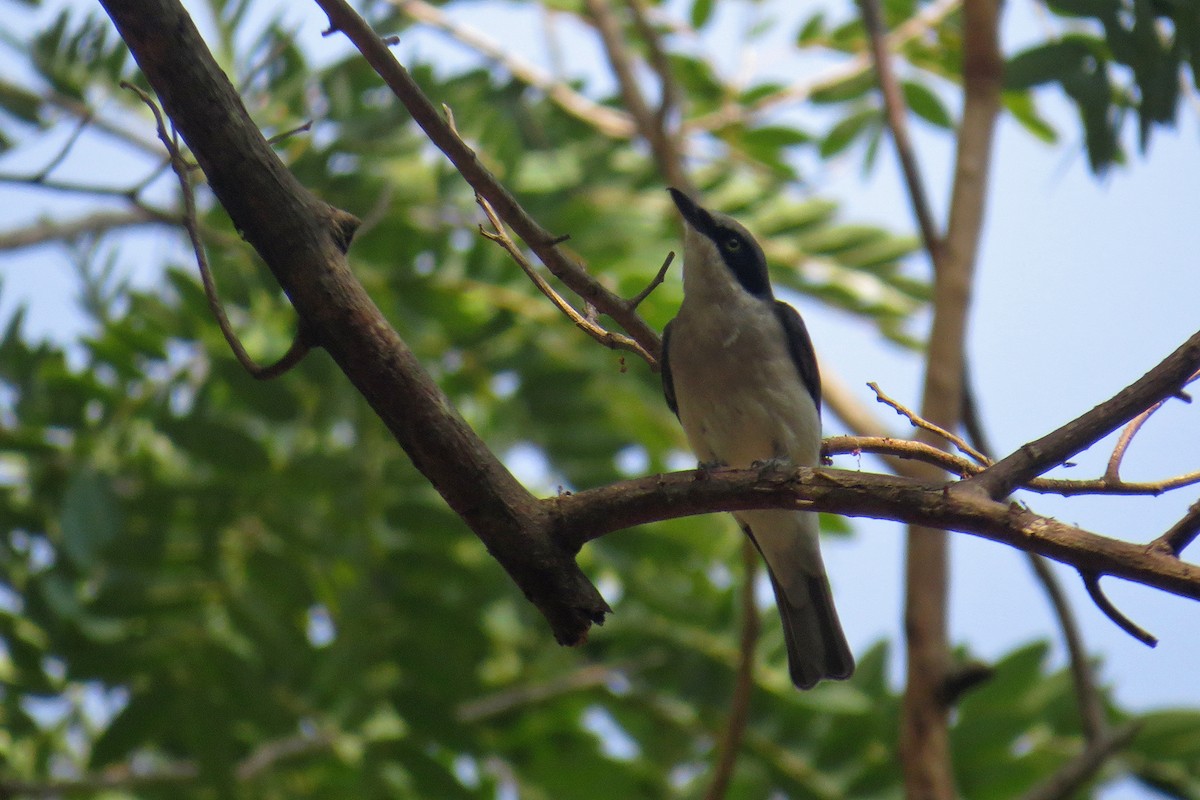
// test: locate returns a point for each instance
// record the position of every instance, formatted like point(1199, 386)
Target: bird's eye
point(732, 244)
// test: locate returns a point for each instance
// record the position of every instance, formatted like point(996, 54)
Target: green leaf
point(90, 517)
point(812, 30)
point(925, 103)
point(1021, 105)
point(702, 11)
point(1044, 63)
point(843, 134)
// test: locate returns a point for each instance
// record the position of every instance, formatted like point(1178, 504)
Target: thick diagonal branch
point(303, 241)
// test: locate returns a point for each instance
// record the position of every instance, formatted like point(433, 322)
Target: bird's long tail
point(816, 646)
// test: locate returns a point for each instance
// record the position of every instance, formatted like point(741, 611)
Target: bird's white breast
point(739, 394)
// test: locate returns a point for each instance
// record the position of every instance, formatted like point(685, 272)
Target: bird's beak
point(695, 216)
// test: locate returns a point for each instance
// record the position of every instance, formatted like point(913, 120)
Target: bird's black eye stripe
point(744, 259)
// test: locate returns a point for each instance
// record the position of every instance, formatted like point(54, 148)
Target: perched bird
point(739, 371)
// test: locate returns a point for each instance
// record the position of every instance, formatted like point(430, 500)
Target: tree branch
point(303, 240)
point(651, 126)
point(565, 267)
point(591, 513)
point(300, 346)
point(1075, 774)
point(94, 224)
point(924, 736)
point(1181, 534)
point(1034, 458)
point(608, 121)
point(743, 685)
point(897, 117)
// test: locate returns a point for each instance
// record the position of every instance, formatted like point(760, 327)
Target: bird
point(739, 371)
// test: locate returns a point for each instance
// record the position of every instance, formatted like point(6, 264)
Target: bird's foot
point(768, 465)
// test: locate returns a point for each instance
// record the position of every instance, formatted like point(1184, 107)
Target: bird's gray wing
point(799, 346)
point(664, 366)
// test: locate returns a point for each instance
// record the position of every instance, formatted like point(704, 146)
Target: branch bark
point(303, 241)
point(592, 513)
point(565, 267)
point(924, 735)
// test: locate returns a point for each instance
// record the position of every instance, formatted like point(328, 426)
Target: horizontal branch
point(962, 467)
point(54, 231)
point(608, 121)
point(591, 513)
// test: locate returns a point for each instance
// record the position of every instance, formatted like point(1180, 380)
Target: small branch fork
point(441, 132)
point(1170, 543)
point(300, 346)
point(587, 323)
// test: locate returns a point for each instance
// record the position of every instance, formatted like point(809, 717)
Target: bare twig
point(592, 676)
point(1112, 472)
point(910, 450)
point(920, 422)
point(670, 94)
point(637, 299)
point(1073, 775)
point(562, 265)
point(613, 341)
point(897, 116)
point(651, 127)
point(300, 345)
point(739, 702)
point(1181, 534)
point(1091, 582)
point(1087, 697)
point(1165, 380)
point(609, 122)
point(53, 231)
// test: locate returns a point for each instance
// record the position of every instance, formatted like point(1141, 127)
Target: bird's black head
point(736, 247)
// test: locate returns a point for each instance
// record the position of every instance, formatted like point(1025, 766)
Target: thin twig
point(498, 234)
point(1087, 696)
point(300, 344)
point(608, 121)
point(301, 128)
point(957, 465)
point(562, 264)
point(1181, 534)
point(637, 299)
point(1073, 775)
point(592, 676)
point(663, 146)
point(1091, 582)
point(659, 62)
point(739, 703)
point(920, 422)
point(82, 125)
point(54, 231)
point(897, 116)
point(1113, 471)
point(1165, 380)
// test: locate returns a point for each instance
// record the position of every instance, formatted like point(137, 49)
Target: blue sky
point(1083, 285)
